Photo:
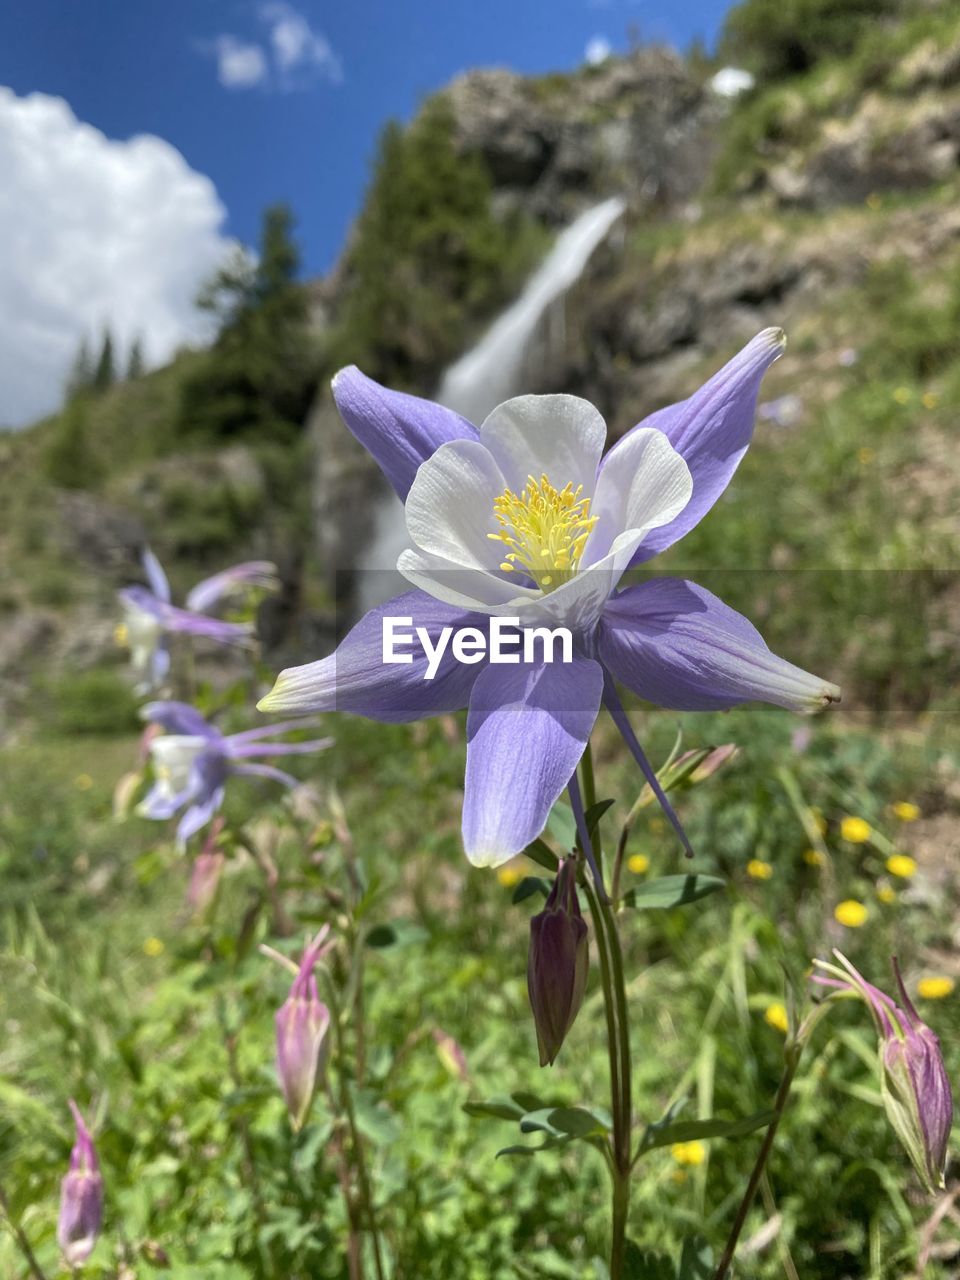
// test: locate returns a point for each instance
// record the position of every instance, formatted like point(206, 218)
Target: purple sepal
point(677, 645)
point(399, 430)
point(711, 431)
point(356, 679)
point(527, 728)
point(252, 573)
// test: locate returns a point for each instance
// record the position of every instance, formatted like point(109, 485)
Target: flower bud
point(81, 1198)
point(916, 1091)
point(913, 1078)
point(302, 1024)
point(557, 963)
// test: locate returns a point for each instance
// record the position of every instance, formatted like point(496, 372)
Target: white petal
point(449, 509)
point(472, 589)
point(645, 485)
point(561, 437)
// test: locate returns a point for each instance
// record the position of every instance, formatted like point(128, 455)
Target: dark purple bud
point(81, 1198)
point(557, 963)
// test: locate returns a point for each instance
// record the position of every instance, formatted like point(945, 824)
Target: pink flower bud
point(913, 1077)
point(302, 1024)
point(557, 963)
point(81, 1198)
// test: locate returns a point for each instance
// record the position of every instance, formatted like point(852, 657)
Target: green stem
point(618, 1038)
point(793, 1053)
point(20, 1236)
point(356, 1142)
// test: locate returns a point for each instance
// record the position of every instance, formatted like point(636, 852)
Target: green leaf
point(696, 1260)
point(595, 813)
point(665, 1134)
point(528, 886)
point(639, 1264)
point(397, 933)
point(573, 1122)
point(503, 1106)
point(541, 853)
point(671, 891)
point(562, 825)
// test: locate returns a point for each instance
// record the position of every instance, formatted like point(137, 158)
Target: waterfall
point(491, 372)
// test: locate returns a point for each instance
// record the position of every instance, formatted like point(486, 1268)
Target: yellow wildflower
point(929, 399)
point(902, 395)
point(776, 1017)
point(509, 875)
point(850, 913)
point(886, 894)
point(856, 830)
point(900, 864)
point(121, 635)
point(693, 1152)
point(638, 863)
point(906, 811)
point(814, 858)
point(83, 782)
point(759, 870)
point(935, 988)
point(153, 947)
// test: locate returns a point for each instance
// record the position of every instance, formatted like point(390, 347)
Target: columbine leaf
point(504, 1106)
point(664, 1134)
point(639, 1264)
point(696, 1260)
point(541, 853)
point(671, 891)
point(398, 933)
point(562, 825)
point(595, 813)
point(528, 886)
point(571, 1122)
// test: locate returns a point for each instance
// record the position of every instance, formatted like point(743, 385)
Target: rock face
point(638, 126)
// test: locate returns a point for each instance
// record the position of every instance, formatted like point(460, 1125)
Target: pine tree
point(69, 459)
point(135, 365)
point(105, 373)
point(261, 372)
point(80, 377)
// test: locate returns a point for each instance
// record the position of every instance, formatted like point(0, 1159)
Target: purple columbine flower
point(527, 518)
point(913, 1078)
point(149, 615)
point(81, 1198)
point(192, 762)
point(302, 1023)
point(557, 963)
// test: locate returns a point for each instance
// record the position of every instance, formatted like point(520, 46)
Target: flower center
point(545, 529)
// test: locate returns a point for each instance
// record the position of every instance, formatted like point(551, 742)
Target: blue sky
point(150, 66)
point(140, 138)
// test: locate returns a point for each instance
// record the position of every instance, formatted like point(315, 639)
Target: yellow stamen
point(547, 528)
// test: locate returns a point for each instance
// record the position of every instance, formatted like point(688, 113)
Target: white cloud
point(298, 50)
point(239, 65)
point(94, 232)
point(298, 55)
point(598, 50)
